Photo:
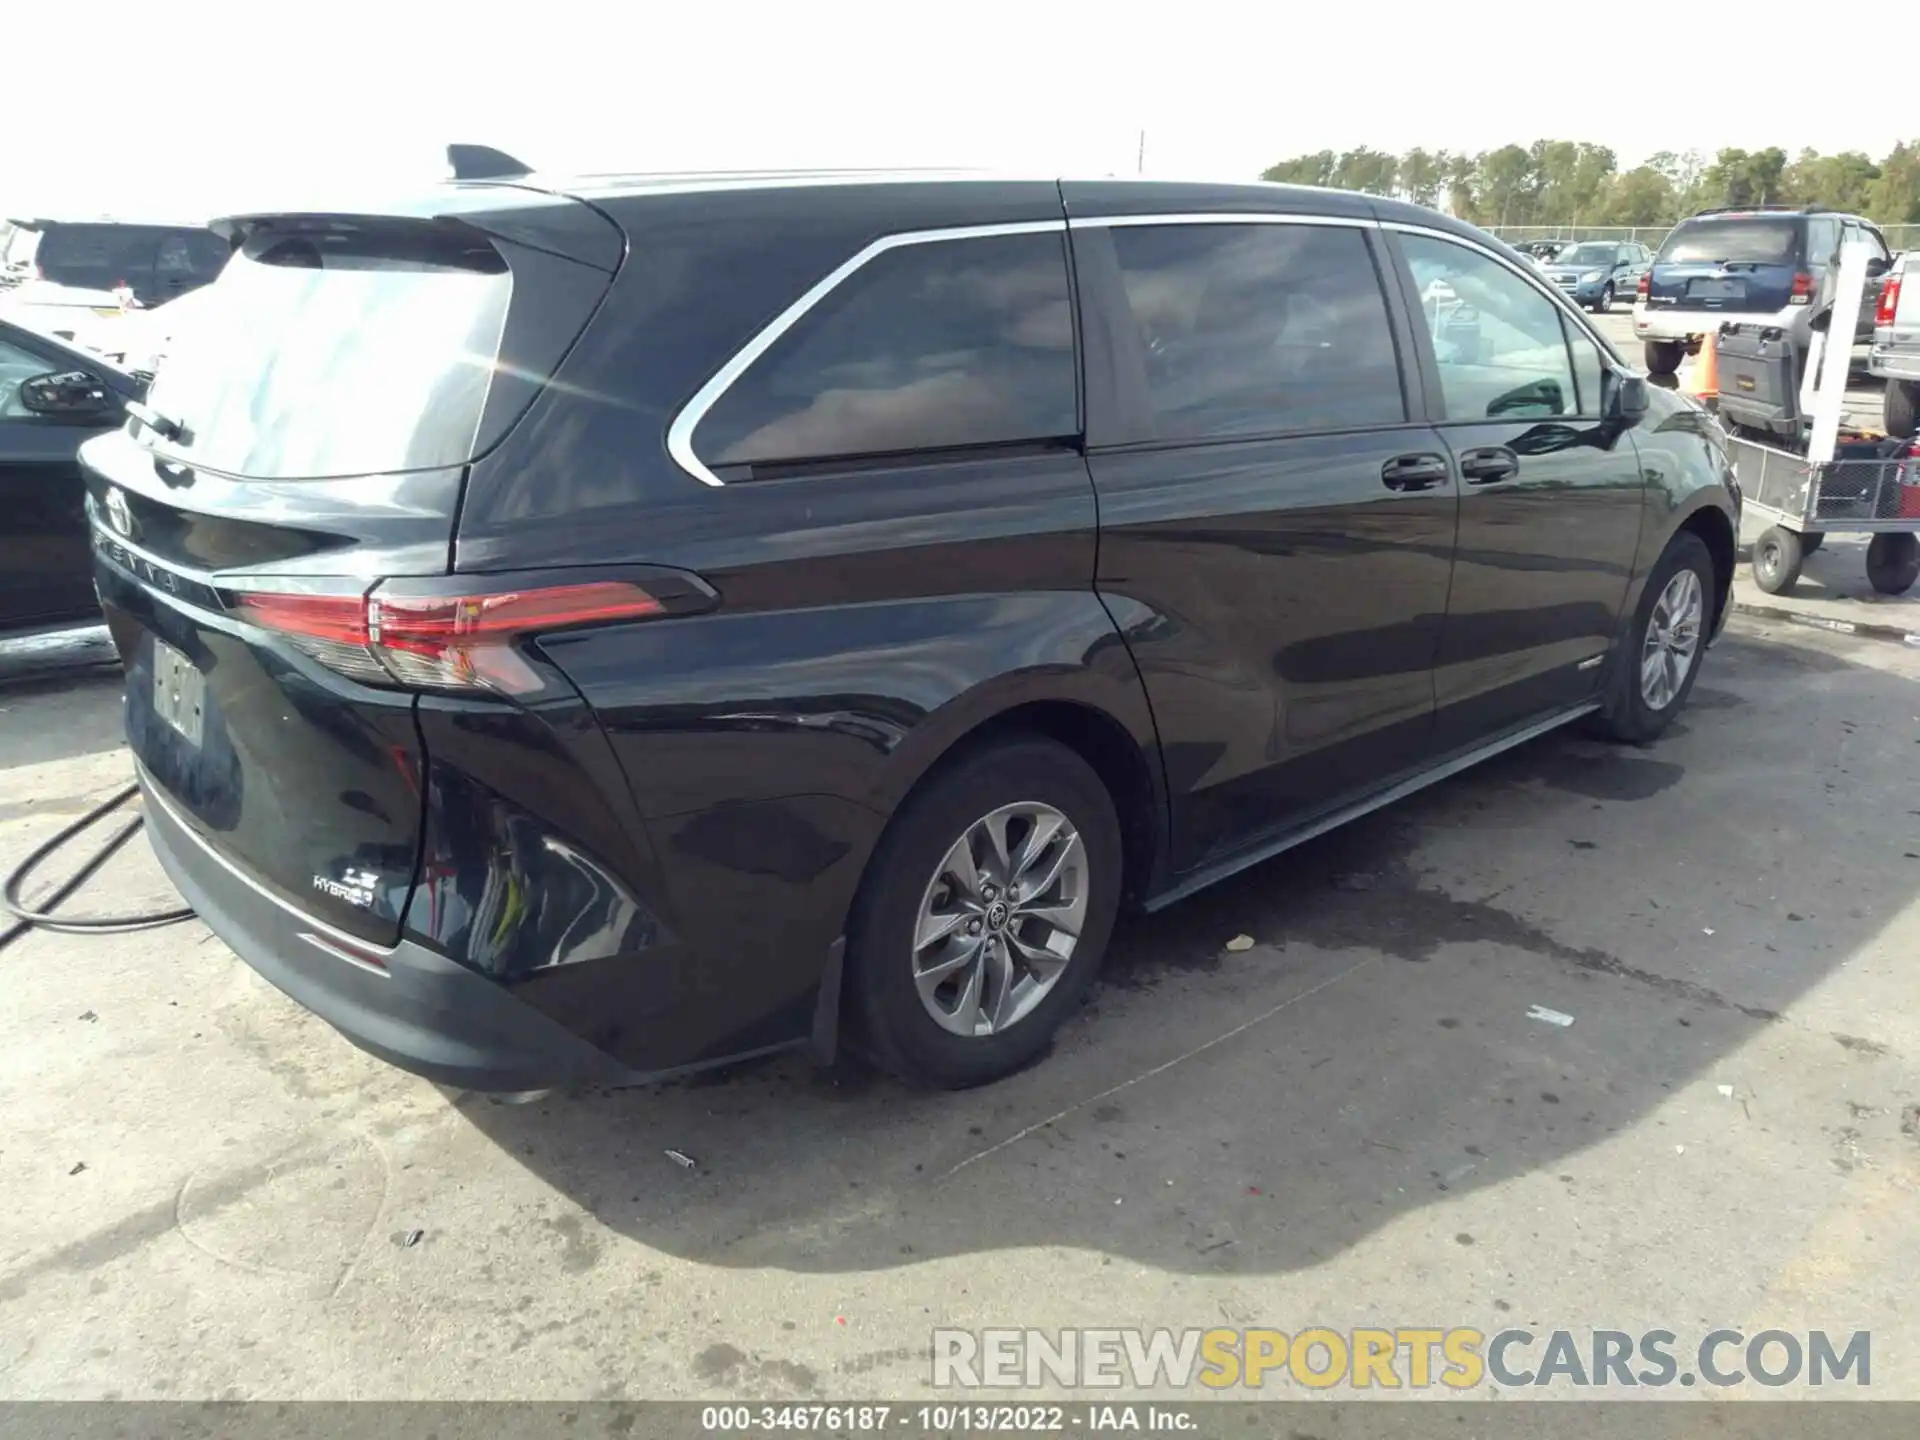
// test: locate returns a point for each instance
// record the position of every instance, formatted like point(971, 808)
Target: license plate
point(1716, 289)
point(179, 691)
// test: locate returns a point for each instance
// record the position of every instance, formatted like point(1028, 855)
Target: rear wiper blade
point(165, 426)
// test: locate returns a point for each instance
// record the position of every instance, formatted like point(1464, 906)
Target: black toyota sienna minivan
point(577, 631)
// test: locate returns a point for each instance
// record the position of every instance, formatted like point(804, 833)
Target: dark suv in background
point(585, 630)
point(1769, 267)
point(156, 262)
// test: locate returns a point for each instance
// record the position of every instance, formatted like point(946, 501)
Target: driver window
point(1496, 339)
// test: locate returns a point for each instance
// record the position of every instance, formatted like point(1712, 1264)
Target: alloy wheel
point(999, 920)
point(1673, 639)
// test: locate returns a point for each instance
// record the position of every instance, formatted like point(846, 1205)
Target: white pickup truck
point(1895, 356)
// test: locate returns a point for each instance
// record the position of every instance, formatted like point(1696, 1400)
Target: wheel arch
point(1128, 768)
point(1128, 772)
point(1715, 531)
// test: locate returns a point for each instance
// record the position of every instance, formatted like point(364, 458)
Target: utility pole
point(1140, 159)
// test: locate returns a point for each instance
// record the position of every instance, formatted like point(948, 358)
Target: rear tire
point(1648, 678)
point(1811, 543)
point(912, 884)
point(1893, 563)
point(1900, 407)
point(1777, 556)
point(1664, 356)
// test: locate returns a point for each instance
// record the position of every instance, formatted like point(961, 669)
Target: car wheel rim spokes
point(1673, 640)
point(999, 920)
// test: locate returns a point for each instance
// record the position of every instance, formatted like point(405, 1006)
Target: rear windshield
point(1589, 255)
point(331, 354)
point(1751, 242)
point(102, 257)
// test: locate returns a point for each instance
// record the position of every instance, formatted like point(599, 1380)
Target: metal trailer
point(1864, 490)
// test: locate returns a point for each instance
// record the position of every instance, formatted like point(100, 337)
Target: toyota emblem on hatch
point(118, 512)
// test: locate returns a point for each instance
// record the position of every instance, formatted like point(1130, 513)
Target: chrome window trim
point(680, 432)
point(1552, 292)
point(1223, 217)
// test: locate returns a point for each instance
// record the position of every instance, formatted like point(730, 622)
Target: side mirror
point(1877, 266)
point(1630, 399)
point(67, 395)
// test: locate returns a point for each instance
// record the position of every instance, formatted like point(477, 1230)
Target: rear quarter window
point(930, 345)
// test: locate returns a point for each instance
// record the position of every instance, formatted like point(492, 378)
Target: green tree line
point(1569, 182)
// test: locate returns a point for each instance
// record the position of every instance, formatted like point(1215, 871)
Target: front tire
point(1664, 356)
point(1604, 305)
point(1652, 671)
point(984, 914)
point(1777, 557)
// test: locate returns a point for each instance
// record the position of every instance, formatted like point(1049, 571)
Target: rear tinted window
point(333, 355)
point(1753, 242)
point(1254, 329)
point(927, 346)
point(1590, 255)
point(100, 257)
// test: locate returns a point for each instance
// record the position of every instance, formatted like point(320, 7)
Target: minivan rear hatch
point(306, 442)
point(1736, 263)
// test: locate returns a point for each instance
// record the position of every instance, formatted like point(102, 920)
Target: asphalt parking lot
point(1833, 588)
point(1355, 1121)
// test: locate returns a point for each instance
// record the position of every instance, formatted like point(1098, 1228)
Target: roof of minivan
point(1120, 195)
point(531, 209)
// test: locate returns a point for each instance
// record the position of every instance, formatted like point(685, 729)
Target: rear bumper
point(1585, 293)
point(1652, 323)
point(409, 1006)
point(1895, 360)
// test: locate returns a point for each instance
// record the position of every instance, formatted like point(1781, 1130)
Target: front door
point(1276, 532)
point(1550, 499)
point(46, 567)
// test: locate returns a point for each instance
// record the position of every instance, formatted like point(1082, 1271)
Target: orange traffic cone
point(1703, 380)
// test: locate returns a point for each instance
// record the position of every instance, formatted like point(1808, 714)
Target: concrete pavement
point(1354, 1122)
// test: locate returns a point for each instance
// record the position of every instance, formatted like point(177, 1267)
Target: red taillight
point(341, 619)
point(1889, 302)
point(1802, 289)
point(443, 642)
point(1645, 287)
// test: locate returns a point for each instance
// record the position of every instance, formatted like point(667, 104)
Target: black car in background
point(588, 630)
point(157, 263)
point(52, 397)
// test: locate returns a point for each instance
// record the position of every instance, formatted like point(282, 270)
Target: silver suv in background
point(1895, 356)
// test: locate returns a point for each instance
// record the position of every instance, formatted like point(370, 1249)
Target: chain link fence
point(1899, 237)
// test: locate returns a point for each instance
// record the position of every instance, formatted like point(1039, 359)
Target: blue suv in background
point(1595, 273)
point(1756, 266)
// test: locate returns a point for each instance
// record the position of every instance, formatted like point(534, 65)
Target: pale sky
point(193, 107)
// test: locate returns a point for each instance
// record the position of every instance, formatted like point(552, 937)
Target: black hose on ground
point(26, 918)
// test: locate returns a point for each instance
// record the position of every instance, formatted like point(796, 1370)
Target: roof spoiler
point(483, 162)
